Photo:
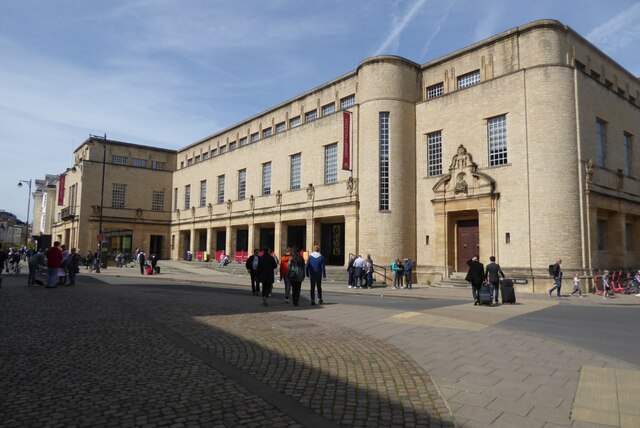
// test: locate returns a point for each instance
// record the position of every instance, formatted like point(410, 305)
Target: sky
point(168, 73)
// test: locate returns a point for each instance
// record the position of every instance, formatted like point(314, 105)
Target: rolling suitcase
point(147, 269)
point(507, 291)
point(484, 295)
point(157, 270)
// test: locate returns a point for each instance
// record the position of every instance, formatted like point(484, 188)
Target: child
point(576, 286)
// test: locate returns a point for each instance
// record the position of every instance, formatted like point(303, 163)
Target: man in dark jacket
point(252, 268)
point(557, 277)
point(316, 271)
point(493, 274)
point(266, 265)
point(476, 277)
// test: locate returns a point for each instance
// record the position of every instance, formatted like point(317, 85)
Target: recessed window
point(294, 121)
point(328, 109)
point(203, 193)
point(214, 152)
point(435, 91)
point(348, 101)
point(595, 75)
point(175, 198)
point(628, 153)
point(118, 192)
point(232, 145)
point(280, 127)
point(310, 116)
point(118, 160)
point(434, 153)
point(255, 137)
point(197, 159)
point(383, 165)
point(601, 142)
point(469, 79)
point(205, 156)
point(266, 133)
point(221, 189)
point(139, 163)
point(296, 164)
point(157, 200)
point(580, 66)
point(243, 141)
point(223, 149)
point(497, 136)
point(189, 162)
point(602, 235)
point(157, 165)
point(331, 163)
point(187, 196)
point(266, 178)
point(242, 184)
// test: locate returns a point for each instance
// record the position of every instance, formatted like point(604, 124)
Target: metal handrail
point(375, 270)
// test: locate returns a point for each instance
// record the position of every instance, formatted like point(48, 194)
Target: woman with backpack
point(295, 273)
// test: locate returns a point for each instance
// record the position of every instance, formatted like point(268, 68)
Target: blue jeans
point(557, 285)
point(32, 274)
point(52, 277)
point(369, 279)
point(316, 281)
point(495, 290)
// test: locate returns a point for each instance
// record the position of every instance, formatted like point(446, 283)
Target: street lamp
point(26, 234)
point(100, 236)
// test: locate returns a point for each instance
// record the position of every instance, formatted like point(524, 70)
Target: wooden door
point(468, 242)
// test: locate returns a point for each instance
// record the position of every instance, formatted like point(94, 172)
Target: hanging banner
point(61, 189)
point(346, 147)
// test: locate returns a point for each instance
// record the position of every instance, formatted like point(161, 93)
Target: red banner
point(346, 147)
point(61, 189)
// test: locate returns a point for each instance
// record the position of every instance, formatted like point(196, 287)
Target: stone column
point(277, 239)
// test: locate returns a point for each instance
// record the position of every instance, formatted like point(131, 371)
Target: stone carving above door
point(463, 179)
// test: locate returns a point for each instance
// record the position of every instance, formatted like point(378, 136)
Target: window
point(628, 232)
point(255, 137)
point(280, 127)
point(580, 66)
point(242, 184)
point(310, 116)
point(595, 75)
point(267, 132)
point(119, 160)
point(296, 164)
point(266, 178)
point(187, 196)
point(157, 165)
point(602, 233)
point(383, 144)
point(189, 161)
point(118, 195)
point(497, 135)
point(294, 121)
point(214, 153)
point(328, 109)
point(608, 83)
point(197, 159)
point(243, 141)
point(435, 91)
point(331, 163)
point(175, 199)
point(205, 156)
point(233, 145)
point(221, 189)
point(139, 163)
point(347, 102)
point(434, 153)
point(469, 79)
point(628, 151)
point(601, 135)
point(203, 193)
point(181, 164)
point(223, 149)
point(157, 200)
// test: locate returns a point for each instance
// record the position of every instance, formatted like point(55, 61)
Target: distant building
point(521, 146)
point(12, 230)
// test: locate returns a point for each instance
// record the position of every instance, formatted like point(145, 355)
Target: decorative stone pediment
point(463, 179)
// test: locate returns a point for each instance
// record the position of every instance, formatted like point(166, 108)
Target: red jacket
point(54, 257)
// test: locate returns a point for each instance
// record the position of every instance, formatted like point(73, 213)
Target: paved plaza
point(192, 347)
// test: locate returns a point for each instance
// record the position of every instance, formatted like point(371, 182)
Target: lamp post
point(100, 236)
point(26, 233)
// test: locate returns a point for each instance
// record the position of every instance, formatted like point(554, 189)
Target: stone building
point(521, 146)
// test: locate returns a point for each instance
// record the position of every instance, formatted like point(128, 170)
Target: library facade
point(522, 146)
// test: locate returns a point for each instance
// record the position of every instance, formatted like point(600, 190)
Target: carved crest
point(463, 179)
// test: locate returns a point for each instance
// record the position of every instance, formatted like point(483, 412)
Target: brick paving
point(119, 355)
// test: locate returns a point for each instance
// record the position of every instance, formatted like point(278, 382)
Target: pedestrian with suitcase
point(493, 274)
point(508, 292)
point(475, 275)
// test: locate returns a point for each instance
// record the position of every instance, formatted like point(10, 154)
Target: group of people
point(360, 271)
point(402, 273)
point(478, 275)
point(293, 270)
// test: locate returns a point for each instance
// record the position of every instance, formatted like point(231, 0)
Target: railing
point(67, 213)
point(376, 271)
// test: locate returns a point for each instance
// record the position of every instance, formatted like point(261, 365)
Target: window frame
point(434, 153)
point(187, 196)
point(295, 171)
point(497, 143)
point(118, 195)
point(157, 200)
point(434, 91)
point(242, 184)
point(331, 163)
point(469, 79)
point(383, 162)
point(220, 195)
point(203, 193)
point(266, 178)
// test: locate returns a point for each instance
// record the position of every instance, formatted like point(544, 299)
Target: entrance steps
point(456, 280)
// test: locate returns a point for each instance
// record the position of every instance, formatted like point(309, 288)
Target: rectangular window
point(310, 116)
point(497, 136)
point(203, 193)
point(328, 109)
point(232, 145)
point(242, 184)
point(280, 127)
point(189, 162)
point(214, 153)
point(181, 164)
point(175, 198)
point(601, 143)
point(118, 195)
point(580, 66)
point(221, 189)
point(118, 160)
point(434, 153)
point(296, 164)
point(139, 163)
point(266, 178)
point(435, 91)
point(205, 156)
point(243, 141)
point(347, 102)
point(294, 121)
point(223, 149)
point(157, 165)
point(255, 137)
point(469, 79)
point(602, 235)
point(383, 148)
point(628, 231)
point(157, 200)
point(187, 196)
point(595, 75)
point(197, 158)
point(331, 163)
point(267, 132)
point(628, 152)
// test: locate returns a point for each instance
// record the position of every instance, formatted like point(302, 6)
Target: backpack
point(295, 272)
point(552, 270)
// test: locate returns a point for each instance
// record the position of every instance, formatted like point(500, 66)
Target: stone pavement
point(484, 374)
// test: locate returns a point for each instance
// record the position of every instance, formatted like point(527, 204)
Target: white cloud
point(400, 22)
point(443, 15)
point(620, 31)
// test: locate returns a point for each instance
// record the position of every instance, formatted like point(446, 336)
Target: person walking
point(475, 275)
point(316, 272)
point(73, 266)
point(294, 274)
point(142, 259)
point(54, 264)
point(557, 277)
point(266, 266)
point(493, 273)
point(284, 266)
point(606, 284)
point(408, 272)
point(576, 286)
point(252, 268)
point(35, 261)
point(154, 262)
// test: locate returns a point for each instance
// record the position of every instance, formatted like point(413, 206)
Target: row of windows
point(463, 81)
point(601, 147)
point(496, 139)
point(606, 82)
point(119, 193)
point(295, 178)
point(309, 116)
point(603, 232)
point(137, 163)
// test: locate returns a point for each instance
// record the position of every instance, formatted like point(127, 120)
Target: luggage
point(157, 269)
point(148, 270)
point(508, 293)
point(507, 283)
point(484, 295)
